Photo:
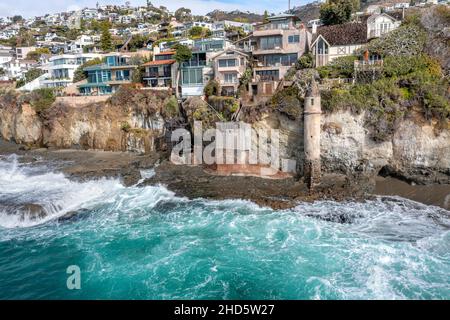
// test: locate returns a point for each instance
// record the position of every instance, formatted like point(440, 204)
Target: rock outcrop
point(415, 153)
point(105, 125)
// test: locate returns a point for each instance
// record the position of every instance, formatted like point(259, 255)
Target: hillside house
point(106, 78)
point(331, 42)
point(161, 72)
point(196, 72)
point(61, 69)
point(229, 66)
point(279, 44)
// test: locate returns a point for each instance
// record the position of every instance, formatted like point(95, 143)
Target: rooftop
point(343, 34)
point(159, 62)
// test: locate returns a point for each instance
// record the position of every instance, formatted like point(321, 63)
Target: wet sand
point(436, 194)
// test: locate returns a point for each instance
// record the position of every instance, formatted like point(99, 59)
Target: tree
point(338, 11)
point(105, 39)
point(17, 19)
point(80, 74)
point(36, 54)
point(199, 32)
point(137, 41)
point(266, 16)
point(183, 14)
point(183, 53)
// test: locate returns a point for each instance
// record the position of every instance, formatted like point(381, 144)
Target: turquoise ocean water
point(145, 243)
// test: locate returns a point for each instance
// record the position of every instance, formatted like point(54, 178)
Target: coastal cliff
point(115, 124)
point(416, 151)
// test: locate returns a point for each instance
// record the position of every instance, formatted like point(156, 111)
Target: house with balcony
point(106, 78)
point(196, 72)
point(162, 71)
point(229, 66)
point(61, 69)
point(280, 42)
point(331, 42)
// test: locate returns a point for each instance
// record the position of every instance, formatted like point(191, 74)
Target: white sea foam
point(23, 185)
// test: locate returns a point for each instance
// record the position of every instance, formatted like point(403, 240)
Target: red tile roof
point(159, 62)
point(165, 52)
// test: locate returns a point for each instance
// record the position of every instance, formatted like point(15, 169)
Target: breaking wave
point(146, 243)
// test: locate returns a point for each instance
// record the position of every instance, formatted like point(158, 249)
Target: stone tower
point(312, 115)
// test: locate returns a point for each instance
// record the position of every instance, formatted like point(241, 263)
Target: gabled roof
point(343, 34)
point(228, 50)
point(376, 15)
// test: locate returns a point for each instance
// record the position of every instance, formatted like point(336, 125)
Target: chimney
point(314, 28)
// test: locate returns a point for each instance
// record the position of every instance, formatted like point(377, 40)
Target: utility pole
point(289, 5)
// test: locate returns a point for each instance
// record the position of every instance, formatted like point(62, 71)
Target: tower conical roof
point(313, 90)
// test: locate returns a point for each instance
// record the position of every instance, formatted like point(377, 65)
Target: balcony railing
point(157, 75)
point(194, 64)
point(361, 65)
point(264, 77)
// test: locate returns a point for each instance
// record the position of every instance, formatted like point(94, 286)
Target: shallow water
point(145, 243)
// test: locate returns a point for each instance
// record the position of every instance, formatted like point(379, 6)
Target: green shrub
point(288, 102)
point(171, 108)
point(341, 67)
point(408, 40)
point(211, 88)
point(125, 126)
point(41, 99)
point(306, 61)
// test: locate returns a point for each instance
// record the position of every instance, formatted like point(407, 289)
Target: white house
point(379, 24)
point(331, 42)
point(61, 68)
point(78, 45)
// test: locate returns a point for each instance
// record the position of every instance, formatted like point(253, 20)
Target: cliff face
point(416, 151)
point(102, 126)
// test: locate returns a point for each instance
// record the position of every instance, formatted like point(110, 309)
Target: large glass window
point(227, 63)
point(163, 57)
point(230, 77)
point(279, 59)
point(268, 75)
point(192, 76)
point(268, 43)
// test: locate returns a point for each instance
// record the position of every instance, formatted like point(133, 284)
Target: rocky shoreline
point(197, 182)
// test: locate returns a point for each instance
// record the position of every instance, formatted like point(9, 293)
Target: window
point(192, 76)
point(271, 75)
point(270, 42)
point(230, 77)
point(294, 38)
point(163, 57)
point(279, 59)
point(227, 63)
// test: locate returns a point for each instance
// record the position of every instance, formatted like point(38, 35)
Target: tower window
point(312, 101)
